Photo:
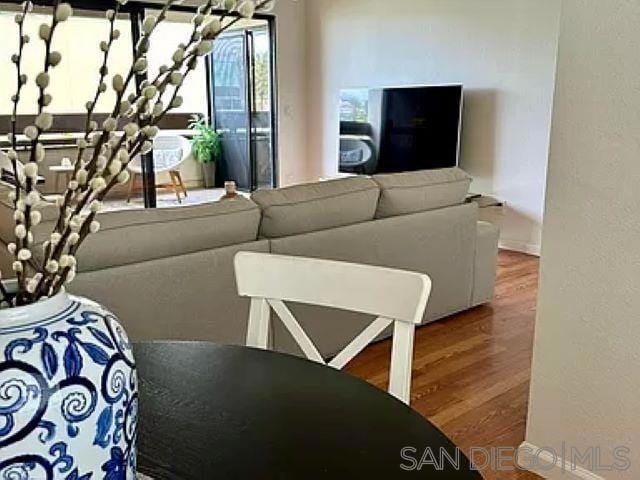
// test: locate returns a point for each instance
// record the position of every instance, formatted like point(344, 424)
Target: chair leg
point(181, 183)
point(172, 176)
point(132, 183)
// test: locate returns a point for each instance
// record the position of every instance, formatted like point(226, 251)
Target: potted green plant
point(206, 147)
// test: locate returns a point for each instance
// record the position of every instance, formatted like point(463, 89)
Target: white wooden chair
point(394, 296)
point(169, 151)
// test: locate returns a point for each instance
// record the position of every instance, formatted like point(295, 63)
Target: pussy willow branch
point(54, 282)
point(14, 128)
point(96, 97)
point(71, 194)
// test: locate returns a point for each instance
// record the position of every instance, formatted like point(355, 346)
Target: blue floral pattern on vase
point(68, 396)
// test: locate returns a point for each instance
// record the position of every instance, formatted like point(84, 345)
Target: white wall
point(291, 45)
point(503, 51)
point(586, 374)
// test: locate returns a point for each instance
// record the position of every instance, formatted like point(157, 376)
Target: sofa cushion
point(137, 235)
point(316, 206)
point(412, 192)
point(130, 236)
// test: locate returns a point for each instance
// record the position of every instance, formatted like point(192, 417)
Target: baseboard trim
point(523, 247)
point(549, 466)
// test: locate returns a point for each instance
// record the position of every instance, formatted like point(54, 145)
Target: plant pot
point(209, 174)
point(68, 392)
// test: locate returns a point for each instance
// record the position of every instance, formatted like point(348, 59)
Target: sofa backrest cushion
point(412, 192)
point(316, 206)
point(137, 235)
point(130, 236)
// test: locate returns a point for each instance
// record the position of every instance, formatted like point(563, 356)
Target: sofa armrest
point(486, 260)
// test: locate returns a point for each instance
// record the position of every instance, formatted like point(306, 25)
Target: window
point(168, 34)
point(354, 105)
point(74, 80)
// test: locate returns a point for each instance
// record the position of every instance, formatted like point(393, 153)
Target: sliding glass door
point(242, 86)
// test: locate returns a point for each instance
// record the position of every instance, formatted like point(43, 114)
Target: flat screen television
point(400, 129)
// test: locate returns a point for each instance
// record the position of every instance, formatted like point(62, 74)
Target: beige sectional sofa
point(168, 274)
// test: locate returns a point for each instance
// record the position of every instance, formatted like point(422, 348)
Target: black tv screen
point(400, 129)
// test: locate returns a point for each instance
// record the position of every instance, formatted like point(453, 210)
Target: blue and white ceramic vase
point(68, 393)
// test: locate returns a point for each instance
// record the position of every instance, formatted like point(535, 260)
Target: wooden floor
point(471, 371)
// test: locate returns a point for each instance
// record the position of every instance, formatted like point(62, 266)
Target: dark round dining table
point(213, 411)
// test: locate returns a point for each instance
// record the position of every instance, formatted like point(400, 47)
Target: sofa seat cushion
point(316, 206)
point(412, 192)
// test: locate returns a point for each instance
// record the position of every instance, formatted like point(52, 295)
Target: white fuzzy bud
point(151, 131)
point(73, 185)
point(115, 167)
point(117, 82)
point(204, 47)
point(110, 14)
point(140, 65)
point(20, 231)
point(73, 239)
point(55, 238)
point(63, 12)
point(52, 266)
point(18, 216)
point(46, 99)
point(247, 8)
point(110, 124)
point(81, 176)
point(123, 177)
point(17, 266)
point(123, 155)
point(101, 162)
point(130, 129)
point(176, 102)
point(31, 132)
point(32, 198)
point(12, 248)
point(147, 146)
point(44, 121)
point(115, 34)
point(31, 169)
point(32, 284)
point(71, 275)
point(40, 152)
point(175, 78)
point(98, 184)
point(95, 206)
point(178, 55)
point(55, 58)
point(104, 46)
point(24, 254)
point(229, 4)
point(157, 109)
point(44, 32)
point(36, 217)
point(149, 24)
point(94, 226)
point(211, 29)
point(67, 261)
point(42, 80)
point(149, 92)
point(198, 19)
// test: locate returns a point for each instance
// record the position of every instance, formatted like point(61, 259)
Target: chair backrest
point(169, 151)
point(394, 296)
